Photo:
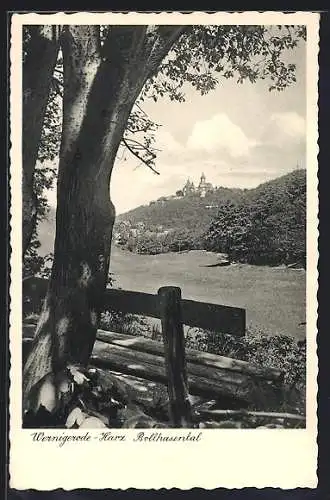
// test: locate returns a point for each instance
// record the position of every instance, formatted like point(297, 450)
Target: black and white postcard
point(164, 215)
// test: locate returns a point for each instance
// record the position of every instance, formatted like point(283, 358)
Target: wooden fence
point(204, 315)
point(183, 370)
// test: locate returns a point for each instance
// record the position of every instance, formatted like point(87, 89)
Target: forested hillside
point(172, 224)
point(178, 211)
point(265, 225)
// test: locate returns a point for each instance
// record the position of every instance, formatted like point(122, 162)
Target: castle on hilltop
point(201, 190)
point(189, 189)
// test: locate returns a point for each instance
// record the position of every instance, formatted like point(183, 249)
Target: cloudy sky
point(238, 135)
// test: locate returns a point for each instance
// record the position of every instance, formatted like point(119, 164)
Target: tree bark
point(101, 85)
point(39, 62)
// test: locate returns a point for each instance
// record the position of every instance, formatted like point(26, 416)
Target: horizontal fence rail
point(213, 317)
point(208, 375)
point(127, 301)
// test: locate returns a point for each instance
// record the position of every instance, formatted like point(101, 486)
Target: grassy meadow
point(274, 297)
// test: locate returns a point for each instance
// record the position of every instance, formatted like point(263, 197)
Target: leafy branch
point(134, 150)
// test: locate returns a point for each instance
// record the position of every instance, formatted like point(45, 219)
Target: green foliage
point(205, 54)
point(268, 226)
point(131, 324)
point(34, 264)
point(279, 351)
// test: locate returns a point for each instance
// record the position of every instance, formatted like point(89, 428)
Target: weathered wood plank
point(127, 301)
point(193, 356)
point(214, 317)
point(203, 381)
point(29, 330)
point(175, 359)
point(205, 315)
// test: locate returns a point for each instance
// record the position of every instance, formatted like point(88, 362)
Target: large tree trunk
point(41, 51)
point(100, 88)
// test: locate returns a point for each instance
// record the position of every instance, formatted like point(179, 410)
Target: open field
point(274, 297)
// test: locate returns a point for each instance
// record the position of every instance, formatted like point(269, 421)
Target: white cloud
point(216, 146)
point(166, 142)
point(220, 133)
point(290, 122)
point(285, 128)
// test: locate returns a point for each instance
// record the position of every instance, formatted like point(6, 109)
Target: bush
point(279, 351)
point(130, 324)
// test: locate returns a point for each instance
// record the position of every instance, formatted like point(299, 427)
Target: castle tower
point(204, 187)
point(188, 188)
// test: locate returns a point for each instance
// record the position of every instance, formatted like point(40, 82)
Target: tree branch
point(136, 154)
point(166, 36)
point(141, 109)
point(141, 146)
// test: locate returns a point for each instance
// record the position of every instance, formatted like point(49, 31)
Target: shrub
point(130, 324)
point(279, 351)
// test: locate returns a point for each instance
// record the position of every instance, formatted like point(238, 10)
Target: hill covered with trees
point(265, 225)
point(171, 223)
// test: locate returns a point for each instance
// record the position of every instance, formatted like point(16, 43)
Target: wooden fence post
point(175, 362)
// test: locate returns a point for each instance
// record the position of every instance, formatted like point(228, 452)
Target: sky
point(239, 135)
